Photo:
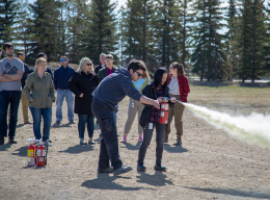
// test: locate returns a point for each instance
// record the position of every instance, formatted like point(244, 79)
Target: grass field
point(232, 99)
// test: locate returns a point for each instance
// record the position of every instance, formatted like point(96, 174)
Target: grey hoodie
point(113, 89)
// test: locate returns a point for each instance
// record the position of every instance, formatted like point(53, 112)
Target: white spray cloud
point(254, 129)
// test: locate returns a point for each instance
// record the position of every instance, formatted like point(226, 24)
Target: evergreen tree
point(168, 31)
point(231, 38)
point(267, 39)
point(76, 12)
point(136, 29)
point(209, 57)
point(45, 28)
point(101, 35)
point(187, 19)
point(7, 17)
point(22, 28)
point(251, 40)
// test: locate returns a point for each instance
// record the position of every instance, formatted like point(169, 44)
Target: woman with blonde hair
point(39, 92)
point(178, 88)
point(136, 107)
point(82, 84)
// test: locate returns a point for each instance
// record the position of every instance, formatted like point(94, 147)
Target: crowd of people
point(97, 92)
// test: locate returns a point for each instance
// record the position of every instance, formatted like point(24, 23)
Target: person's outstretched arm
point(148, 101)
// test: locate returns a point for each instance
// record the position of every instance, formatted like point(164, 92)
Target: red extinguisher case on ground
point(41, 155)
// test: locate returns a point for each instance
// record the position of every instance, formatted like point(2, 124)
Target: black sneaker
point(12, 141)
point(141, 168)
point(106, 170)
point(58, 122)
point(123, 169)
point(72, 122)
point(160, 168)
point(2, 141)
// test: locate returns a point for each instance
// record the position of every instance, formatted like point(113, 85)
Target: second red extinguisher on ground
point(41, 155)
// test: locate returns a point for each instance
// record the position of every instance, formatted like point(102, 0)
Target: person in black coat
point(82, 84)
point(150, 119)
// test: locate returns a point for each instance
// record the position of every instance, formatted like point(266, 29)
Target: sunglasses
point(89, 64)
point(109, 61)
point(139, 74)
point(63, 60)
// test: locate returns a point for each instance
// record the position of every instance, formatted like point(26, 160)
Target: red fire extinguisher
point(41, 155)
point(164, 113)
point(31, 154)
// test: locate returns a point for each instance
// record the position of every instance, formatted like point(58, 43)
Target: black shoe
point(12, 141)
point(122, 170)
point(178, 142)
point(28, 122)
point(2, 141)
point(72, 122)
point(160, 168)
point(58, 122)
point(106, 170)
point(141, 168)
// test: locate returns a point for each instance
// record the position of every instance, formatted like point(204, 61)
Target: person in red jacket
point(178, 88)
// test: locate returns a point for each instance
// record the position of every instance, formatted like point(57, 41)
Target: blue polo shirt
point(62, 76)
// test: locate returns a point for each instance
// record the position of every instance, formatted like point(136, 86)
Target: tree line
point(212, 41)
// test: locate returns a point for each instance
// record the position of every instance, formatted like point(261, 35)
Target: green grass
point(232, 99)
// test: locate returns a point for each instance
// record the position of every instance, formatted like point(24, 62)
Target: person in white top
point(178, 88)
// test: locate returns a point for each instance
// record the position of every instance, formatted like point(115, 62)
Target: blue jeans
point(12, 99)
point(61, 94)
point(109, 143)
point(46, 113)
point(83, 119)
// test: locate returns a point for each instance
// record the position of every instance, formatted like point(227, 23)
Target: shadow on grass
point(131, 147)
point(106, 182)
point(233, 192)
point(175, 149)
point(157, 179)
point(78, 149)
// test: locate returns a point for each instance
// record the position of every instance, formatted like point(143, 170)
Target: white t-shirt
point(174, 86)
point(11, 67)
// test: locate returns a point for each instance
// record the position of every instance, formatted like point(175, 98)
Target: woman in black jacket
point(150, 118)
point(82, 84)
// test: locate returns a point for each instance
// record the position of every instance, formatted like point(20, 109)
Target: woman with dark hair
point(178, 88)
point(150, 119)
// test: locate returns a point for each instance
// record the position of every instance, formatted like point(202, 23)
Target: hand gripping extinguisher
point(31, 154)
point(164, 111)
point(41, 155)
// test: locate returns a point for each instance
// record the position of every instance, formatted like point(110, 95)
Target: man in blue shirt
point(61, 78)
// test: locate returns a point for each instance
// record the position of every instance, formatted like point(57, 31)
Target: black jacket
point(97, 68)
point(86, 84)
point(150, 92)
point(25, 74)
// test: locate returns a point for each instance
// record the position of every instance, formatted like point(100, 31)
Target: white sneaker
point(47, 143)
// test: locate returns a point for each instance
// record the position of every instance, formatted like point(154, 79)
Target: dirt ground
point(209, 165)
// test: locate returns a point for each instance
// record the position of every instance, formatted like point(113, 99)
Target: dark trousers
point(86, 119)
point(12, 99)
point(109, 143)
point(37, 113)
point(147, 136)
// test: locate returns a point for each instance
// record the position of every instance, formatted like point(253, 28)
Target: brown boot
point(166, 139)
point(178, 141)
